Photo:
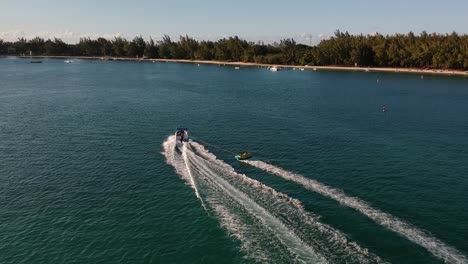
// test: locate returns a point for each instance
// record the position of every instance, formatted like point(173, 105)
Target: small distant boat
point(302, 69)
point(274, 69)
point(69, 61)
point(243, 156)
point(237, 68)
point(315, 69)
point(182, 134)
point(31, 57)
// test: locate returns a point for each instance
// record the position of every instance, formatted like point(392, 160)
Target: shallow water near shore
point(85, 177)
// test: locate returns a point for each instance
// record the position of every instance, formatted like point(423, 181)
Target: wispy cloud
point(73, 37)
point(66, 35)
point(302, 38)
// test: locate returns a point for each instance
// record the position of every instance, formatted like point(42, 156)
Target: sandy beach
point(253, 64)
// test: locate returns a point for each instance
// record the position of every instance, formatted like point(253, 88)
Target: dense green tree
point(3, 47)
point(462, 57)
point(205, 51)
point(188, 46)
point(288, 50)
point(221, 51)
point(446, 51)
point(178, 52)
point(89, 47)
point(165, 46)
point(249, 53)
point(36, 45)
point(21, 46)
point(236, 47)
point(151, 49)
point(56, 47)
point(105, 47)
point(362, 54)
point(119, 47)
point(136, 47)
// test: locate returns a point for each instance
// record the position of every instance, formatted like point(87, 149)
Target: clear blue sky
point(246, 18)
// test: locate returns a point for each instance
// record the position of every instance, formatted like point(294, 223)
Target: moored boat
point(31, 57)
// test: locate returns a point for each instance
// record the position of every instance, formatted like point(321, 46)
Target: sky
point(306, 21)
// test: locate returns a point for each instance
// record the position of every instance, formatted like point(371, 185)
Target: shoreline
point(253, 64)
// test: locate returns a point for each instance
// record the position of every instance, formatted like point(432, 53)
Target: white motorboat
point(182, 134)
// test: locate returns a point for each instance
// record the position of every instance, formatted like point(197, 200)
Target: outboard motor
point(182, 134)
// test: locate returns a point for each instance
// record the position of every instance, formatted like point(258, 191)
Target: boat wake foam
point(271, 226)
point(430, 243)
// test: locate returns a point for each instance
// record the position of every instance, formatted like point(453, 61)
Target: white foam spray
point(271, 226)
point(173, 152)
point(295, 214)
point(430, 243)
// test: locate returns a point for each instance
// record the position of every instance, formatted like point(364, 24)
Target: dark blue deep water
point(83, 180)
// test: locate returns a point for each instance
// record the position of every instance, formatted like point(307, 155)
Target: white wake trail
point(306, 225)
point(431, 244)
point(192, 180)
point(285, 235)
point(173, 152)
point(271, 226)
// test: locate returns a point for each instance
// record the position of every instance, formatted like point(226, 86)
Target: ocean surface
point(348, 167)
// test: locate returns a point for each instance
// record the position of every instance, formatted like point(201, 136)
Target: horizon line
point(72, 37)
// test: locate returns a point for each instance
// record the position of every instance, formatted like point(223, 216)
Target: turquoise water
point(85, 177)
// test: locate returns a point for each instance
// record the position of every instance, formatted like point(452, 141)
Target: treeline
point(444, 51)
